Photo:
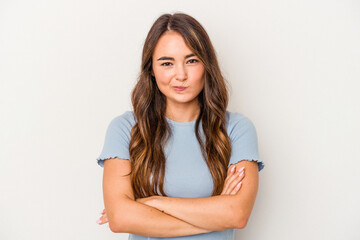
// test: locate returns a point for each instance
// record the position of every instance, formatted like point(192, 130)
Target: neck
point(182, 112)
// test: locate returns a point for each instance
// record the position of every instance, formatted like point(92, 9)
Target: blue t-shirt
point(186, 172)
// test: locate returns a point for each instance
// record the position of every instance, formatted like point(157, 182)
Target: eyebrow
point(171, 58)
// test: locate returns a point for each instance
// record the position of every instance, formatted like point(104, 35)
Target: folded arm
point(217, 212)
point(128, 216)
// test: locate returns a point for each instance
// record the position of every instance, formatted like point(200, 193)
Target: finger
point(103, 219)
point(233, 176)
point(237, 188)
point(234, 183)
point(230, 172)
point(240, 169)
point(228, 182)
point(234, 180)
point(231, 169)
point(103, 211)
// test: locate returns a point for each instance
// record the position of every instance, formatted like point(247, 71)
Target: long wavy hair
point(151, 131)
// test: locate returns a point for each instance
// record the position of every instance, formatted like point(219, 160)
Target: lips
point(179, 88)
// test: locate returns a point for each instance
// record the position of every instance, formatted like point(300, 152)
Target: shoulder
point(237, 122)
point(233, 117)
point(125, 120)
point(243, 137)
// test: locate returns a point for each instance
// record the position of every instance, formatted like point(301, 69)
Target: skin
point(232, 185)
point(174, 64)
point(216, 213)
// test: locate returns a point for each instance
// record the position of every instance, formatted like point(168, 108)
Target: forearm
point(144, 220)
point(216, 213)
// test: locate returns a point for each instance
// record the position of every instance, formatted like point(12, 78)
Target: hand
point(147, 200)
point(231, 187)
point(233, 180)
point(103, 219)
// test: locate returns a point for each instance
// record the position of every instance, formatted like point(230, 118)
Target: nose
point(181, 73)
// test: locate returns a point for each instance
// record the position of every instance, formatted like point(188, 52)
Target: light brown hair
point(151, 131)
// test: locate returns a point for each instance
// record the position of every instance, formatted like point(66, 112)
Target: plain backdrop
point(67, 69)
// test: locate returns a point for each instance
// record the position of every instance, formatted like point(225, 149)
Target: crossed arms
point(159, 216)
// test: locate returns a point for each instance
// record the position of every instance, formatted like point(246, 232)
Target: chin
point(183, 100)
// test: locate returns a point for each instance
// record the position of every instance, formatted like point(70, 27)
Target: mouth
point(179, 88)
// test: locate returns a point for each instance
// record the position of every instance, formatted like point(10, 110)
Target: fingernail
point(238, 186)
point(232, 169)
point(98, 221)
point(242, 173)
point(241, 169)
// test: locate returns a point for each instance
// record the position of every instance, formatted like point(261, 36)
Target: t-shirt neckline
point(191, 123)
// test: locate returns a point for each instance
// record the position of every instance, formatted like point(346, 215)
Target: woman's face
point(178, 72)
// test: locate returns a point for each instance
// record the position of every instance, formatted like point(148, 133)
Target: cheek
point(162, 81)
point(199, 77)
point(162, 77)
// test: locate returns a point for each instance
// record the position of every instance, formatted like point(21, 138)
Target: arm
point(127, 215)
point(217, 212)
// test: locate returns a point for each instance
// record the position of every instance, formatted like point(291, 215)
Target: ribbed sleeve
point(117, 138)
point(243, 138)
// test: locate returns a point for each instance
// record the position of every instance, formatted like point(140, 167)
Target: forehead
point(171, 43)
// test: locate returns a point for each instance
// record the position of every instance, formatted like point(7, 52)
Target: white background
point(67, 68)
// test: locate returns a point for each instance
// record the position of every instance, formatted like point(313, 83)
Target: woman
point(174, 166)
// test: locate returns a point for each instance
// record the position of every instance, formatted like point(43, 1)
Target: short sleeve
point(117, 138)
point(244, 142)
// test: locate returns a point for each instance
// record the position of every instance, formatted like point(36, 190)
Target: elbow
point(241, 223)
point(114, 226)
point(118, 225)
point(119, 219)
point(241, 220)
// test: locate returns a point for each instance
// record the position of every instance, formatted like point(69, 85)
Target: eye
point(166, 64)
point(193, 61)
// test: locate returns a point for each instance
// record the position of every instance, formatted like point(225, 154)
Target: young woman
point(175, 165)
